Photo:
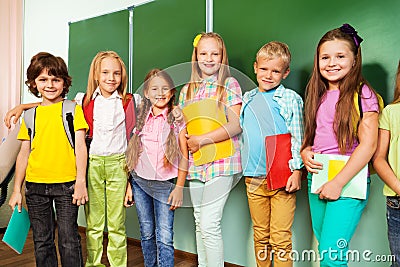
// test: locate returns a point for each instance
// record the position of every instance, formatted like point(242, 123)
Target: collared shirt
point(226, 166)
point(109, 133)
point(261, 118)
point(291, 109)
point(154, 135)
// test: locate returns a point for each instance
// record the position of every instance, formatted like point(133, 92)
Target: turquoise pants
point(334, 223)
point(107, 180)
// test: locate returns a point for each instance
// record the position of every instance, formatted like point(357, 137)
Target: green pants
point(107, 179)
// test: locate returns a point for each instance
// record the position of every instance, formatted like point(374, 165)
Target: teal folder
point(17, 230)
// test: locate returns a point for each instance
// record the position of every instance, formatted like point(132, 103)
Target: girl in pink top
point(157, 153)
point(333, 125)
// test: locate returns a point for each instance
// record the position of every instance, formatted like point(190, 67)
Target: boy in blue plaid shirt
point(271, 109)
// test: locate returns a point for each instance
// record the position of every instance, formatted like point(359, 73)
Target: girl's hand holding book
point(307, 155)
point(331, 190)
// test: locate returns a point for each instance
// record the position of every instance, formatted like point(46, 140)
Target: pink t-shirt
point(325, 139)
point(154, 134)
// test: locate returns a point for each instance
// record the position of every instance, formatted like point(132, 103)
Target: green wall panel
point(88, 37)
point(162, 34)
point(163, 31)
point(247, 25)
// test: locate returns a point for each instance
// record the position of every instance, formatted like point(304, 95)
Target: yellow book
point(203, 117)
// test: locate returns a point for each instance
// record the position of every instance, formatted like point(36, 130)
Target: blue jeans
point(156, 220)
point(40, 199)
point(393, 222)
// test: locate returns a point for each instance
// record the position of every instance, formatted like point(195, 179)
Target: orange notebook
point(278, 153)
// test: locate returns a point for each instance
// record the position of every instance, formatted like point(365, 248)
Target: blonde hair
point(135, 149)
point(94, 75)
point(223, 71)
point(396, 98)
point(274, 50)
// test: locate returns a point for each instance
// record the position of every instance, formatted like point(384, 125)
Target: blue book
point(17, 230)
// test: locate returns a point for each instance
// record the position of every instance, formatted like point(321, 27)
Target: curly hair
point(55, 66)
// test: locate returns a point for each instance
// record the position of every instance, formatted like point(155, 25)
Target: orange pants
point(272, 213)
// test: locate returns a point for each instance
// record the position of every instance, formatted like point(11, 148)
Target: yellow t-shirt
point(52, 159)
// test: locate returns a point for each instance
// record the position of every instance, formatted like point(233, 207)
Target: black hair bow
point(348, 29)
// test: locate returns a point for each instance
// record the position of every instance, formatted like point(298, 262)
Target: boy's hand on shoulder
point(294, 182)
point(16, 112)
point(175, 199)
point(80, 196)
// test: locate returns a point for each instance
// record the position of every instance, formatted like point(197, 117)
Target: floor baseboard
point(182, 254)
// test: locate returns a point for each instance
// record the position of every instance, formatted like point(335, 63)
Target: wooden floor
point(9, 258)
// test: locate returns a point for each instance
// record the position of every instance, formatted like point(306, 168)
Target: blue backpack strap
point(29, 119)
point(68, 112)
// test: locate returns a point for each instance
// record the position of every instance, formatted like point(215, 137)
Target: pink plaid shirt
point(154, 135)
point(226, 166)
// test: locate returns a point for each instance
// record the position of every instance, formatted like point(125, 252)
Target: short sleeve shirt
point(154, 135)
point(390, 121)
point(226, 166)
point(52, 158)
point(325, 140)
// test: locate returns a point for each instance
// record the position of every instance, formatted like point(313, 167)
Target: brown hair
point(55, 66)
point(135, 143)
point(396, 98)
point(223, 71)
point(317, 86)
point(94, 75)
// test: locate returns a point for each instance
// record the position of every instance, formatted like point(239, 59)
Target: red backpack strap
point(88, 113)
point(130, 114)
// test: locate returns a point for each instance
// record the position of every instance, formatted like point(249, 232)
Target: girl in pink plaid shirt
point(156, 154)
point(210, 183)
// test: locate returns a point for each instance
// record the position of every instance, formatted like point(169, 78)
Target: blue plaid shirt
point(292, 111)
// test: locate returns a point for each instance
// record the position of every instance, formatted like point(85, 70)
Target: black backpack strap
point(68, 112)
point(29, 119)
point(360, 106)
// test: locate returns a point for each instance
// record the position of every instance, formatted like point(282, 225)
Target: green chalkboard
point(163, 32)
point(88, 37)
point(247, 25)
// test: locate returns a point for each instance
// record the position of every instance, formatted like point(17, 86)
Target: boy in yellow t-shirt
point(54, 172)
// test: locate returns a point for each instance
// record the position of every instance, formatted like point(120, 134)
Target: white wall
point(46, 26)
